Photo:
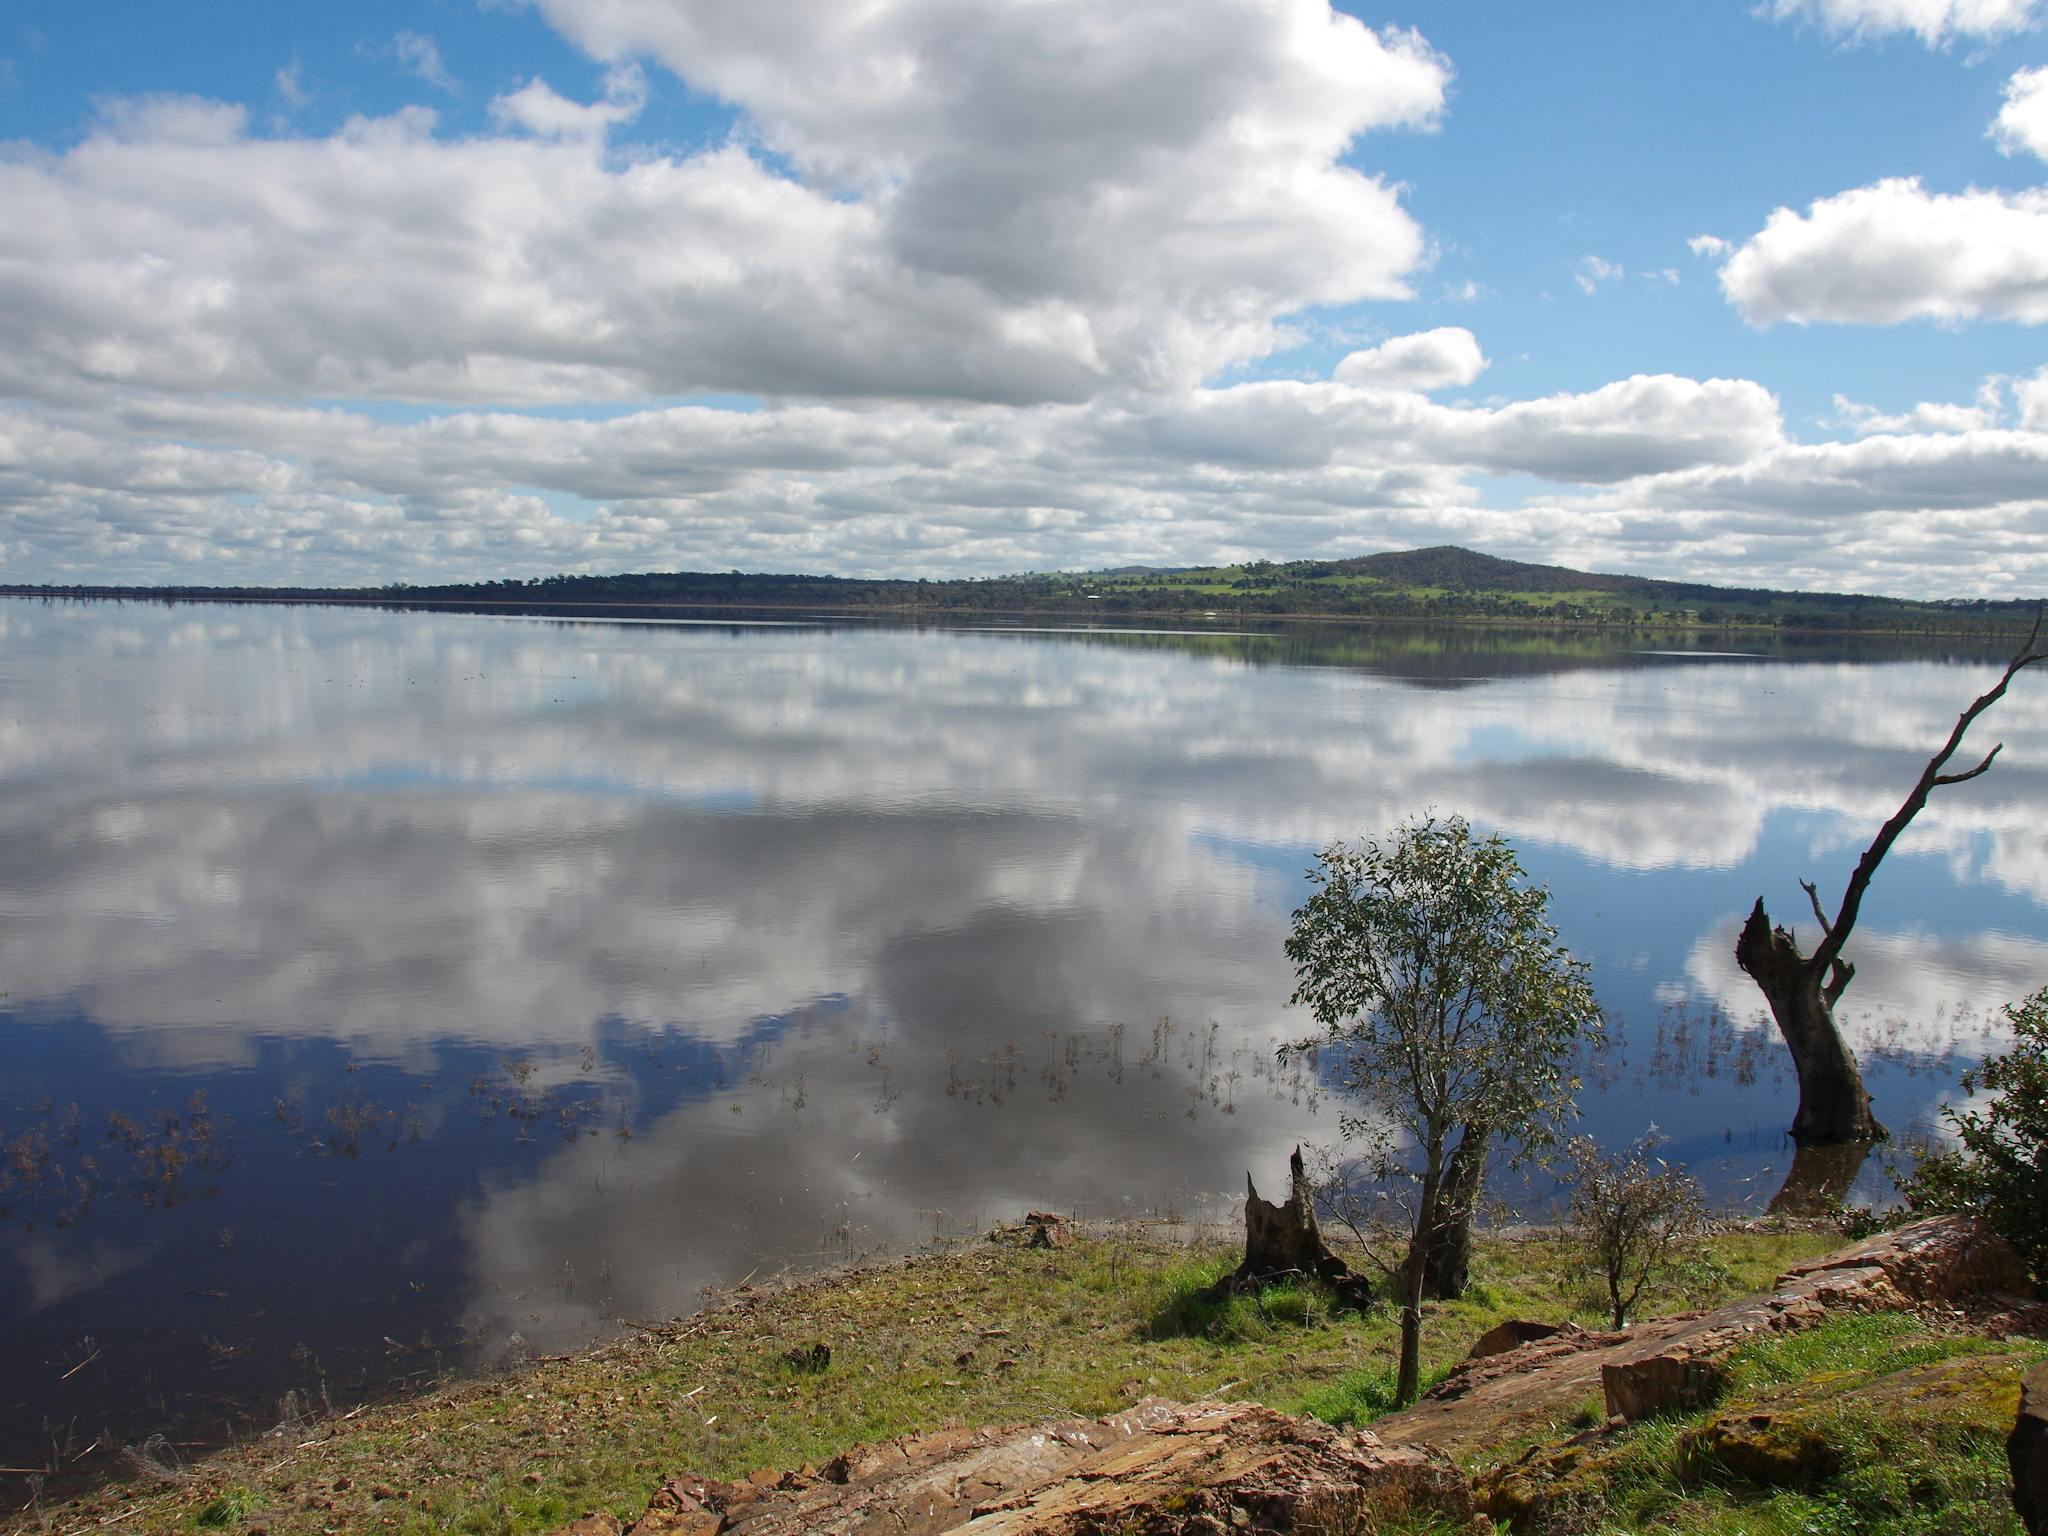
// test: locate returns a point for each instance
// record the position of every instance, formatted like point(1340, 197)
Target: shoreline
point(973, 1332)
point(1098, 619)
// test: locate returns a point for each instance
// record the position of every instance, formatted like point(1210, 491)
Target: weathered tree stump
point(1282, 1242)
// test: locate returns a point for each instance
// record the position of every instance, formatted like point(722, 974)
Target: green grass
point(1873, 1425)
point(992, 1334)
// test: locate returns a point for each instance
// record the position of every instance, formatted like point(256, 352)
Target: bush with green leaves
point(1998, 1172)
point(1631, 1216)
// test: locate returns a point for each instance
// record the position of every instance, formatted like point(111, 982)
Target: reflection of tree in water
point(1820, 1178)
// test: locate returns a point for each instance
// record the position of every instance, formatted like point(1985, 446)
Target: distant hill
point(1443, 583)
point(1466, 570)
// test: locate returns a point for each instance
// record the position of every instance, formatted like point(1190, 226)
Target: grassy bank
point(991, 1333)
point(1869, 1425)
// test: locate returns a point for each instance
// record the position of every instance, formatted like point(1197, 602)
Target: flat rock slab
point(1517, 1393)
point(1203, 1469)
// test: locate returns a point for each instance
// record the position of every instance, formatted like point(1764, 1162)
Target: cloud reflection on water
point(229, 838)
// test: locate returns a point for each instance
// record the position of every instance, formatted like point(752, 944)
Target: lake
point(385, 994)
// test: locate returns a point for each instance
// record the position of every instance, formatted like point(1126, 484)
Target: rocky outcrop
point(1514, 1333)
point(2027, 1452)
point(1942, 1260)
point(1203, 1469)
point(1791, 1435)
point(1673, 1364)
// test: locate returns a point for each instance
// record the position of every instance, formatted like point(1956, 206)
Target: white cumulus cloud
point(2032, 396)
point(538, 109)
point(2022, 123)
point(1928, 416)
point(1034, 201)
point(1444, 358)
point(1894, 251)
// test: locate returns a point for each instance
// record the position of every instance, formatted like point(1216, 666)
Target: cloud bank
point(956, 296)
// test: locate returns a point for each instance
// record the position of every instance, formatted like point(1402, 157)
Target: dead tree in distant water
point(1803, 989)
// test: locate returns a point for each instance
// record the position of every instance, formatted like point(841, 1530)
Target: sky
point(1751, 293)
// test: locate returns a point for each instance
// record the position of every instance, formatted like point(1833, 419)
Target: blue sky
point(1748, 293)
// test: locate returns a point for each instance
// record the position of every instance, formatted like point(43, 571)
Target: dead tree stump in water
point(1282, 1242)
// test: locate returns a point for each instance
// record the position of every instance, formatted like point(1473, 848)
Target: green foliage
point(1630, 1214)
point(1860, 1345)
point(2000, 1171)
point(1432, 969)
point(1362, 1396)
point(1188, 1311)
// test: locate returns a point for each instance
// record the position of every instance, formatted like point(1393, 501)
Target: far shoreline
point(1084, 620)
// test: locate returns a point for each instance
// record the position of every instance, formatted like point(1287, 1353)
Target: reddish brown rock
point(2001, 1316)
point(674, 1522)
point(1529, 1390)
point(1203, 1470)
point(1685, 1368)
point(591, 1525)
point(1945, 1259)
point(1516, 1332)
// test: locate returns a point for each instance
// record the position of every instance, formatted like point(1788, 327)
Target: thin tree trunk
point(1408, 1380)
point(1408, 1385)
point(1833, 1106)
point(1448, 1267)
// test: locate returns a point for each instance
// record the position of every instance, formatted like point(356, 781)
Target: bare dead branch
point(1931, 777)
point(1838, 983)
point(1960, 778)
point(1813, 895)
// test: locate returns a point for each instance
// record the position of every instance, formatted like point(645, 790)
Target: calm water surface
point(387, 994)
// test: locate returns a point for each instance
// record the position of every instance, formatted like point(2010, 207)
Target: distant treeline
point(1445, 583)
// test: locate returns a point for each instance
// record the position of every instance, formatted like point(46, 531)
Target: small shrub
point(1630, 1216)
point(2000, 1171)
